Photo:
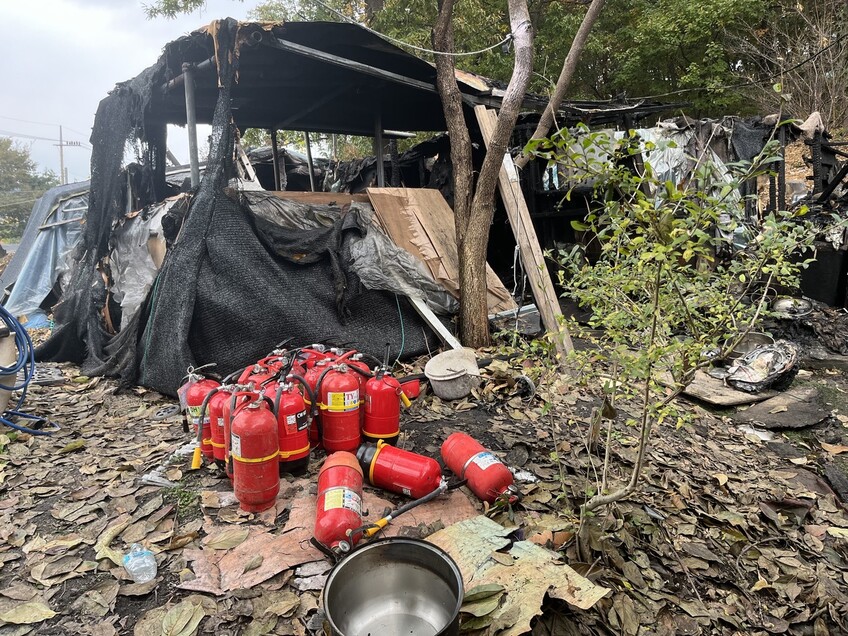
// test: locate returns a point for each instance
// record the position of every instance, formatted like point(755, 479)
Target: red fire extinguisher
point(293, 427)
point(339, 506)
point(338, 398)
point(487, 476)
point(312, 375)
point(192, 393)
point(255, 452)
point(205, 430)
point(355, 361)
point(398, 470)
point(237, 400)
point(383, 396)
point(216, 423)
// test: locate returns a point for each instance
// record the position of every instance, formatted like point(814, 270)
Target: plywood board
point(420, 221)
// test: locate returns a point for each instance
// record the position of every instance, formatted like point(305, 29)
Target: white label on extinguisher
point(235, 445)
point(343, 498)
point(346, 401)
point(484, 460)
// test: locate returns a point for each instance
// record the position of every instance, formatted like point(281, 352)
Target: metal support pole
point(276, 158)
point(309, 162)
point(191, 124)
point(378, 151)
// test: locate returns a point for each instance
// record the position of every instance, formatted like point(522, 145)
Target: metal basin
point(394, 587)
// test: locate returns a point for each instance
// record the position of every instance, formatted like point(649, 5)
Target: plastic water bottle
point(140, 564)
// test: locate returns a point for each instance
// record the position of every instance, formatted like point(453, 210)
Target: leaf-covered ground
point(730, 534)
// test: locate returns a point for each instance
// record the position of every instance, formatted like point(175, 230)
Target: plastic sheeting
point(673, 158)
point(376, 260)
point(48, 262)
point(133, 267)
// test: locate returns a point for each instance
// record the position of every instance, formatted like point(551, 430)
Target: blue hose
point(25, 361)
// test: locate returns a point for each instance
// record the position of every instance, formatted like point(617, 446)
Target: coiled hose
point(26, 362)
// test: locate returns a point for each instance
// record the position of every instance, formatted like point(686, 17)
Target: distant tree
point(20, 185)
point(803, 46)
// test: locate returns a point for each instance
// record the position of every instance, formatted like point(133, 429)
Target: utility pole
point(61, 157)
point(63, 171)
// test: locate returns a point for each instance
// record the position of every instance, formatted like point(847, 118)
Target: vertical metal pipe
point(309, 162)
point(191, 124)
point(378, 151)
point(276, 158)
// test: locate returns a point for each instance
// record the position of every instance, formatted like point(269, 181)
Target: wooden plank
point(421, 222)
point(435, 324)
point(525, 235)
point(322, 198)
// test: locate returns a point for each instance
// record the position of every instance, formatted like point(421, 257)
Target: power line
point(41, 123)
point(771, 78)
point(68, 143)
point(16, 203)
point(407, 44)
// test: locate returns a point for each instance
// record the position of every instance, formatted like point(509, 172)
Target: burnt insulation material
point(225, 293)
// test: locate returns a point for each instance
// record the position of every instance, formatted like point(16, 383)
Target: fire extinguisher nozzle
point(195, 459)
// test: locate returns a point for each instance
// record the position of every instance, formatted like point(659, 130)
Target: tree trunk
point(568, 68)
point(373, 7)
point(474, 215)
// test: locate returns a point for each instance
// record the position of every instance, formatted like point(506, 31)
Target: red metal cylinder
point(234, 403)
point(354, 360)
point(312, 375)
point(194, 394)
point(398, 470)
point(339, 505)
point(487, 476)
point(255, 451)
point(293, 428)
point(216, 424)
point(339, 401)
point(382, 409)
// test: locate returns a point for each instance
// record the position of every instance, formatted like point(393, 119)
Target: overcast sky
point(61, 57)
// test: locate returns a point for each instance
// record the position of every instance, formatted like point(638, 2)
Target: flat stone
point(795, 408)
point(713, 391)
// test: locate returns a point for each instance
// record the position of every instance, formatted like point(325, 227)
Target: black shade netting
point(80, 335)
point(238, 298)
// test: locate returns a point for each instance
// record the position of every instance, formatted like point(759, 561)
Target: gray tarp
point(42, 260)
point(377, 261)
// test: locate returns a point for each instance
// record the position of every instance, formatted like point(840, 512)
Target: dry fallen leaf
point(182, 619)
point(27, 614)
point(226, 538)
point(254, 562)
point(834, 449)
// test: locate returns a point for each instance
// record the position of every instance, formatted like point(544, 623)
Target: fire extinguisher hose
point(371, 529)
point(196, 460)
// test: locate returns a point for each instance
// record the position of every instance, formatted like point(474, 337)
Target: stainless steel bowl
point(394, 587)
